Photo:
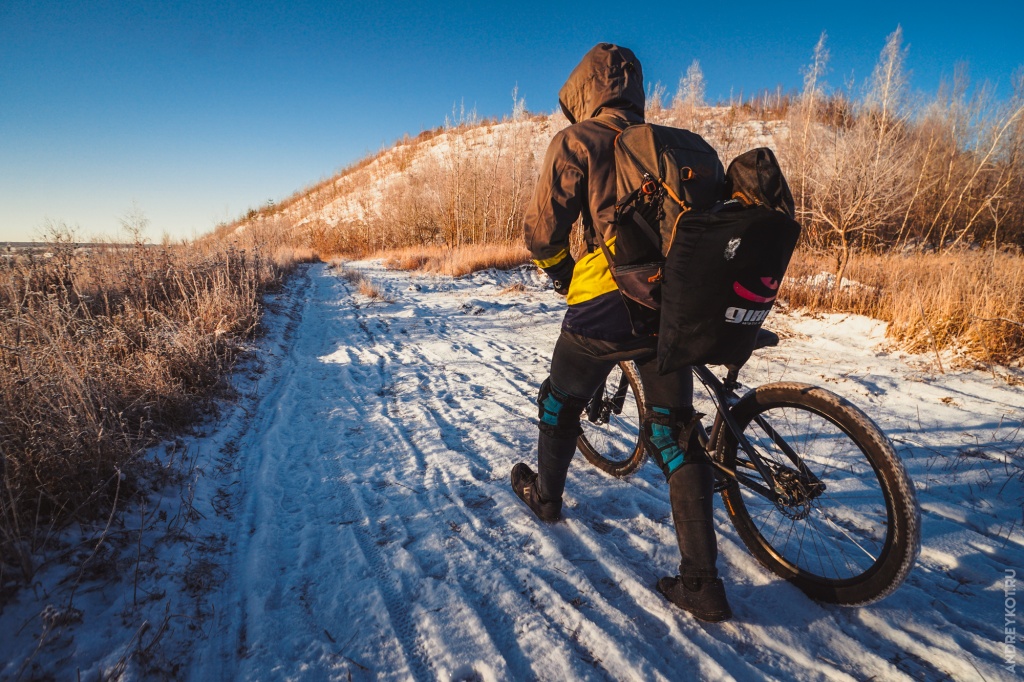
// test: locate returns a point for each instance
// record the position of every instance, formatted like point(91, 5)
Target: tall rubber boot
point(554, 454)
point(691, 490)
point(697, 589)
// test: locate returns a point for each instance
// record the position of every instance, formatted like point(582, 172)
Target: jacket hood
point(608, 77)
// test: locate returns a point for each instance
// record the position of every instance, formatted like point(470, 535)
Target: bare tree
point(859, 180)
point(521, 173)
point(808, 112)
point(689, 98)
point(654, 102)
point(857, 188)
point(884, 98)
point(134, 223)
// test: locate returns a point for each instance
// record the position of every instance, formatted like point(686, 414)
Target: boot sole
point(539, 515)
point(706, 616)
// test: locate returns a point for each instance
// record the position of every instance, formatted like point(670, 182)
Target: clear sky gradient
point(196, 111)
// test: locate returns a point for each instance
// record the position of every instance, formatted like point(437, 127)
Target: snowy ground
point(349, 517)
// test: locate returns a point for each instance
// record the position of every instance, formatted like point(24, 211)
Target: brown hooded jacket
point(603, 94)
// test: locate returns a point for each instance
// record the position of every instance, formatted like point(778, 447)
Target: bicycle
point(813, 487)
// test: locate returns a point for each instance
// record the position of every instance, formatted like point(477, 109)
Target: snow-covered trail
point(350, 517)
point(371, 530)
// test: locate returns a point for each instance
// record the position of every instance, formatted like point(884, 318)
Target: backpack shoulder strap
point(609, 124)
point(646, 228)
point(614, 126)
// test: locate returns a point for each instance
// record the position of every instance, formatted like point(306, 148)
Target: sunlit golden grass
point(968, 301)
point(456, 262)
point(363, 285)
point(971, 301)
point(103, 353)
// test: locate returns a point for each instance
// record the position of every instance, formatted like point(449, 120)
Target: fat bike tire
point(856, 540)
point(611, 441)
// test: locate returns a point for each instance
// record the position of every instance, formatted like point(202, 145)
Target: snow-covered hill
point(369, 189)
point(349, 517)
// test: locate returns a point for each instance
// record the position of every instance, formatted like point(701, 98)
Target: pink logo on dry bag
point(768, 282)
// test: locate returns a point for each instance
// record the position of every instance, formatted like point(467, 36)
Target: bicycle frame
point(723, 395)
point(599, 410)
point(773, 434)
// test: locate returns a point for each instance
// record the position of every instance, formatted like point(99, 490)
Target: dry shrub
point(363, 285)
point(366, 288)
point(458, 261)
point(103, 352)
point(971, 301)
point(891, 170)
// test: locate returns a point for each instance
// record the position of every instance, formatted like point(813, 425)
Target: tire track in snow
point(359, 504)
point(384, 486)
point(440, 401)
point(653, 494)
point(282, 523)
point(396, 441)
point(229, 631)
point(442, 501)
point(280, 529)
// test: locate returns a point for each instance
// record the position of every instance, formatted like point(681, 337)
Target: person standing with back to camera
point(603, 95)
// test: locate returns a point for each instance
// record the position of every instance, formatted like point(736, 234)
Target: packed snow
point(348, 516)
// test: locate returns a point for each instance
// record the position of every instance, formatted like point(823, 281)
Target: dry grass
point(285, 257)
point(513, 289)
point(456, 262)
point(103, 353)
point(363, 285)
point(369, 290)
point(970, 301)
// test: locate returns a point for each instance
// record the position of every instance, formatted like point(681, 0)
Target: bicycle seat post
point(731, 382)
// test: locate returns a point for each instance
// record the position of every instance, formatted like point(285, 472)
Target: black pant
point(579, 367)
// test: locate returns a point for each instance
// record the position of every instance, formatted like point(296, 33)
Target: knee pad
point(558, 413)
point(667, 435)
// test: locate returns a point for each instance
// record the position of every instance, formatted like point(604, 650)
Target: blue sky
point(196, 111)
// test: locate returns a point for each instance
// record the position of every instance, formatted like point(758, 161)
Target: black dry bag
point(724, 268)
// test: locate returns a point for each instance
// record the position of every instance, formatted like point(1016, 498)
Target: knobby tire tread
point(623, 468)
point(903, 541)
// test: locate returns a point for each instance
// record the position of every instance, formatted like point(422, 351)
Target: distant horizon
point(195, 114)
point(5, 244)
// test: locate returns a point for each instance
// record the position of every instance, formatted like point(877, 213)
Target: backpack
point(662, 173)
point(699, 253)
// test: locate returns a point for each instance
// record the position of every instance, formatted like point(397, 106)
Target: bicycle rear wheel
point(611, 423)
point(849, 531)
